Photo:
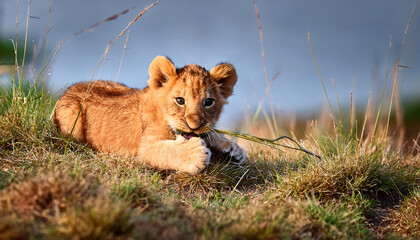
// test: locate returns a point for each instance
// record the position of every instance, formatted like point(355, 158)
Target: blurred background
point(350, 40)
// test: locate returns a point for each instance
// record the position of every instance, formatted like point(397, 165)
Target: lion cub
point(167, 124)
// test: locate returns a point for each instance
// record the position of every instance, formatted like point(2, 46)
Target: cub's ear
point(225, 75)
point(161, 70)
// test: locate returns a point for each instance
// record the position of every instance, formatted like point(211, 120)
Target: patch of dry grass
point(405, 219)
point(58, 205)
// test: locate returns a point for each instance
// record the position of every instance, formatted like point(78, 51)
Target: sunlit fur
point(146, 123)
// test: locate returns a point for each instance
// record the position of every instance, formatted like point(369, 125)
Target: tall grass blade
point(268, 84)
point(105, 54)
point(396, 70)
point(15, 45)
point(362, 133)
point(26, 38)
point(122, 56)
point(338, 103)
point(48, 31)
point(352, 113)
point(383, 91)
point(320, 77)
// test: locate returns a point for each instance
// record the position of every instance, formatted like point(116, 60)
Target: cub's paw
point(232, 149)
point(196, 156)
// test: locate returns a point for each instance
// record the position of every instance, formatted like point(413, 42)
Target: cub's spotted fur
point(166, 124)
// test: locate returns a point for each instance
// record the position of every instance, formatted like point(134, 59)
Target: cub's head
point(191, 97)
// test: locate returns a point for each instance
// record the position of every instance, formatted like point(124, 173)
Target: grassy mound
point(53, 187)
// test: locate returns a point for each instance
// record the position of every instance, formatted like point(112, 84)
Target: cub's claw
point(237, 154)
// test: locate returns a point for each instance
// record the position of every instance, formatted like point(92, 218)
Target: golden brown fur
point(153, 123)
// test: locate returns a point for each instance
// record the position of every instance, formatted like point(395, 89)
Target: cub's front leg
point(190, 156)
point(218, 142)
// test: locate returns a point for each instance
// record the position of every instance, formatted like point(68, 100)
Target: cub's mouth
point(189, 135)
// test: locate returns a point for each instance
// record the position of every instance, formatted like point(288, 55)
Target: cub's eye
point(180, 101)
point(209, 102)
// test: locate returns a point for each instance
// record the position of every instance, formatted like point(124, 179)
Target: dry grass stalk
point(405, 219)
point(26, 37)
point(383, 91)
point(396, 70)
point(88, 29)
point(268, 84)
point(319, 75)
point(129, 24)
point(352, 113)
point(399, 113)
point(338, 104)
point(122, 57)
point(102, 59)
point(47, 32)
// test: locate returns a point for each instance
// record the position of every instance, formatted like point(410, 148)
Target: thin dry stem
point(416, 146)
point(396, 70)
point(16, 40)
point(352, 112)
point(48, 30)
point(319, 75)
point(122, 56)
point(399, 113)
point(34, 60)
point(364, 124)
point(338, 102)
point(102, 59)
point(26, 37)
point(262, 42)
point(268, 84)
point(383, 91)
point(133, 21)
point(101, 64)
point(88, 29)
point(266, 93)
point(105, 54)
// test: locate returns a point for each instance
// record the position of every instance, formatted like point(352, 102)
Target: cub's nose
point(193, 121)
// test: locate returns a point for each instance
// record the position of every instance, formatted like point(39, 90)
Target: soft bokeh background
point(350, 40)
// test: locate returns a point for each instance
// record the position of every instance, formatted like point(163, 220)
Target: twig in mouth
point(268, 142)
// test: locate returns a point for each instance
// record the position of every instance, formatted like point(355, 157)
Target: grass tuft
point(24, 109)
point(96, 218)
point(62, 206)
point(44, 195)
point(347, 172)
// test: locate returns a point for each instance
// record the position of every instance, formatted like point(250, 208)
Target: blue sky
point(350, 40)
